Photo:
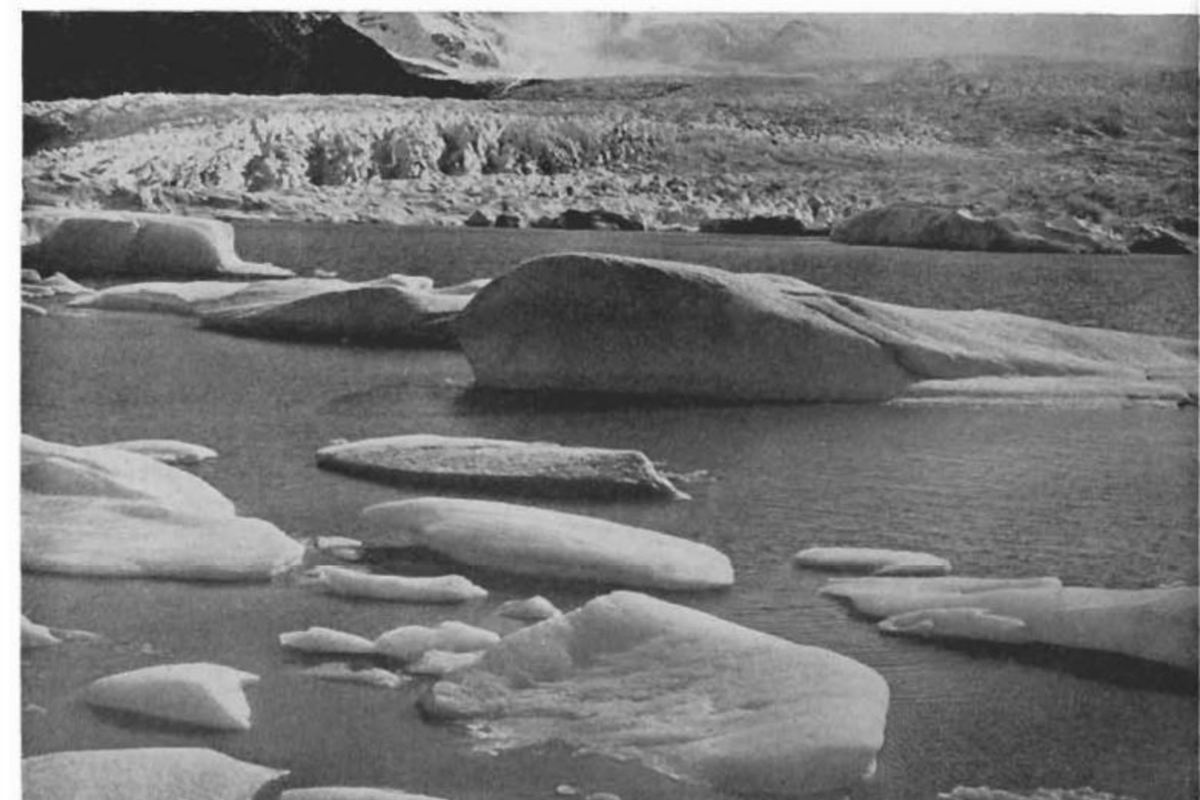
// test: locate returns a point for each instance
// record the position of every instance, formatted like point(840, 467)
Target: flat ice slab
point(873, 560)
point(509, 467)
point(1153, 624)
point(685, 693)
point(524, 540)
point(144, 773)
point(108, 512)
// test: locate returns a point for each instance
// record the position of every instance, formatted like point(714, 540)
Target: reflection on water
point(1099, 496)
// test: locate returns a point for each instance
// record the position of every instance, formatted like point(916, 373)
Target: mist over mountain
point(553, 45)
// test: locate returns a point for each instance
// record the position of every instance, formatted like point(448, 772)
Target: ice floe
point(81, 242)
point(686, 693)
point(370, 676)
point(351, 793)
point(535, 608)
point(874, 560)
point(615, 324)
point(1153, 624)
point(409, 642)
point(108, 512)
point(168, 451)
point(326, 640)
point(206, 695)
point(532, 541)
point(400, 588)
point(34, 636)
point(467, 463)
point(149, 773)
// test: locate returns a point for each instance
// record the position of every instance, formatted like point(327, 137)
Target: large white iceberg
point(606, 323)
point(108, 512)
point(686, 693)
point(1154, 624)
point(207, 695)
point(470, 463)
point(150, 773)
point(532, 541)
point(80, 242)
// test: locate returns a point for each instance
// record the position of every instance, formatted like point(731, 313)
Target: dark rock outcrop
point(595, 220)
point(95, 54)
point(1158, 240)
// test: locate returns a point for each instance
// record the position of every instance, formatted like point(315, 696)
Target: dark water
point(1097, 496)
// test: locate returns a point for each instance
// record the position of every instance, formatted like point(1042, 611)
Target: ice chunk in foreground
point(1154, 624)
point(467, 463)
point(351, 793)
point(410, 642)
point(870, 559)
point(104, 511)
point(685, 693)
point(150, 773)
point(208, 695)
point(984, 793)
point(532, 541)
point(439, 589)
point(326, 640)
point(168, 451)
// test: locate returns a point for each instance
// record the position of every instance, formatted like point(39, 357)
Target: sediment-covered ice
point(532, 541)
point(686, 693)
point(109, 512)
point(469, 463)
point(326, 640)
point(207, 695)
point(399, 588)
point(607, 323)
point(874, 560)
point(410, 642)
point(148, 773)
point(1153, 624)
point(83, 243)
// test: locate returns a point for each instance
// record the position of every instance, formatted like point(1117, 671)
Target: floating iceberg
point(108, 512)
point(439, 589)
point(532, 541)
point(371, 676)
point(535, 608)
point(439, 663)
point(34, 636)
point(1154, 624)
point(326, 640)
point(160, 297)
point(207, 695)
point(615, 324)
point(532, 468)
point(168, 451)
point(351, 793)
point(151, 773)
point(410, 642)
point(83, 243)
point(873, 560)
point(685, 693)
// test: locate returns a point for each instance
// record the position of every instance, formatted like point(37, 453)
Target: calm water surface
point(1102, 497)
